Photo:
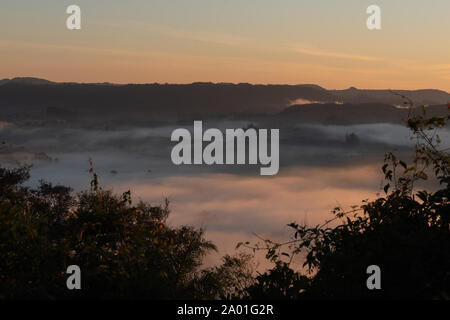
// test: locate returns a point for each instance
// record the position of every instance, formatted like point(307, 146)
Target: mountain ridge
point(36, 98)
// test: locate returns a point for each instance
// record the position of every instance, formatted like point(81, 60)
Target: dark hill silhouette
point(421, 97)
point(149, 100)
point(26, 80)
point(25, 98)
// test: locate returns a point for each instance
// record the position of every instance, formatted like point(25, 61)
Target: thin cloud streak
point(329, 54)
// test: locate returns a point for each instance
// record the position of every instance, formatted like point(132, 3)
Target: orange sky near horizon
point(229, 41)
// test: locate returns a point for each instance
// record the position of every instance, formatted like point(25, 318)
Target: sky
point(325, 42)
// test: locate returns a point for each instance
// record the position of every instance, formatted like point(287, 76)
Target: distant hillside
point(34, 98)
point(26, 80)
point(419, 97)
point(151, 100)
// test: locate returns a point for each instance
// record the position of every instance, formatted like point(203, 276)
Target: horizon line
point(208, 82)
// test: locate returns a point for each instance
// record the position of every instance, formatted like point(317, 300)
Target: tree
point(229, 280)
point(128, 250)
point(123, 250)
point(406, 233)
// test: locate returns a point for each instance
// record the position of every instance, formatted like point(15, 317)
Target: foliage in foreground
point(129, 251)
point(406, 233)
point(123, 250)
